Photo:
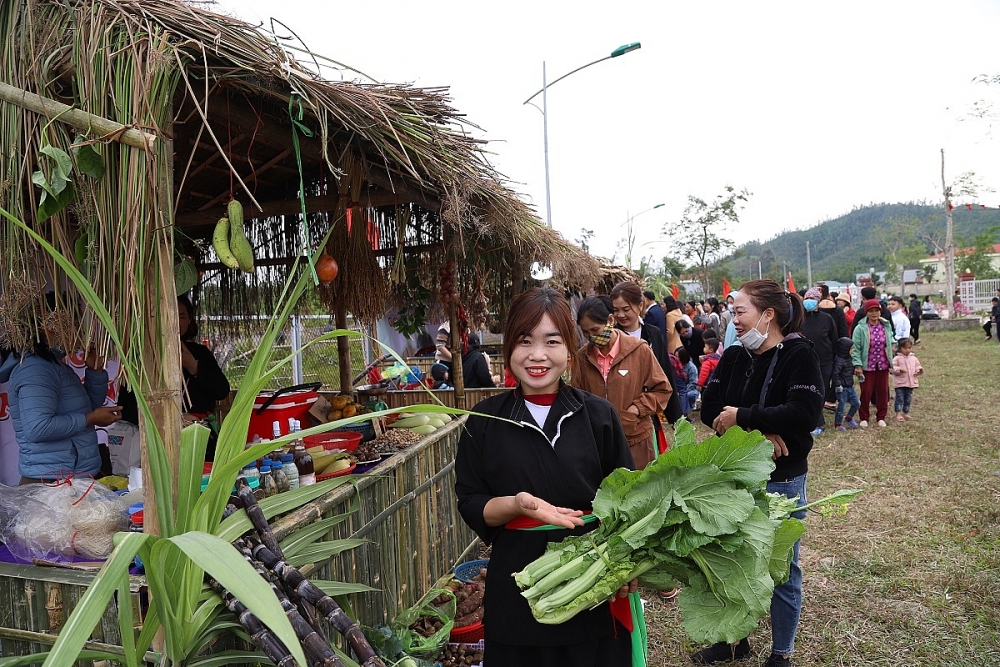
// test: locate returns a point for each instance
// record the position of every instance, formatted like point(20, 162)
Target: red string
point(89, 487)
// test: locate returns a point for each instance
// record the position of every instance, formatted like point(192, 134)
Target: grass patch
point(911, 576)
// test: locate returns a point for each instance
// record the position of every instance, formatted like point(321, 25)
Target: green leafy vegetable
point(699, 514)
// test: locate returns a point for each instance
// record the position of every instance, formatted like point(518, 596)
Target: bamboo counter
point(406, 507)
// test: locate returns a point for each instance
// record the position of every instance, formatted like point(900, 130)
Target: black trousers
point(915, 329)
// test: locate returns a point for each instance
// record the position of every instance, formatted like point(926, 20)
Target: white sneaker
point(881, 422)
point(863, 424)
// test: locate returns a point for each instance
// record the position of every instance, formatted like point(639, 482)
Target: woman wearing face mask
point(623, 370)
point(772, 383)
point(822, 330)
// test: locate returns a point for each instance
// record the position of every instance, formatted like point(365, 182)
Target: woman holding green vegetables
point(529, 478)
point(771, 382)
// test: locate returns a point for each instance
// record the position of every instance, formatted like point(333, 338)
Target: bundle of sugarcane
point(299, 597)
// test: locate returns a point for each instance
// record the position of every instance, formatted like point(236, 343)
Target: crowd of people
point(763, 358)
point(530, 480)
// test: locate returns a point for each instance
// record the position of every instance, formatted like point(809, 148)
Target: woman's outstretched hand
point(543, 511)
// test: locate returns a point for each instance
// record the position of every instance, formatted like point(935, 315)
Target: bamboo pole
point(343, 350)
point(81, 120)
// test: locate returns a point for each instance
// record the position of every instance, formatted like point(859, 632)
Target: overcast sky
point(815, 107)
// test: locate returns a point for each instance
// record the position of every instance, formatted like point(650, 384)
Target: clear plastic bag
point(72, 518)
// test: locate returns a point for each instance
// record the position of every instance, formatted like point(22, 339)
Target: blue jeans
point(846, 396)
point(904, 396)
point(786, 603)
point(691, 397)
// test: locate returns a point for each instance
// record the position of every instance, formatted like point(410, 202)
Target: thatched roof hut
point(226, 112)
point(144, 117)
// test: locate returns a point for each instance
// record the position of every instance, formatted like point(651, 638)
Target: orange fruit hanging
point(326, 268)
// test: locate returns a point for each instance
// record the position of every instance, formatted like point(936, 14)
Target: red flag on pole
point(791, 283)
point(726, 289)
point(675, 290)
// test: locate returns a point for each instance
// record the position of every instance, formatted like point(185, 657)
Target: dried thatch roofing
point(227, 97)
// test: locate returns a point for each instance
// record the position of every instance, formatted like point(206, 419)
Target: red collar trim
point(541, 399)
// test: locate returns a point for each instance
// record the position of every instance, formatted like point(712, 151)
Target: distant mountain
point(841, 247)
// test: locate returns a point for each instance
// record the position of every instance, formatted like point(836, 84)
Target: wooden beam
point(81, 120)
point(403, 192)
point(372, 198)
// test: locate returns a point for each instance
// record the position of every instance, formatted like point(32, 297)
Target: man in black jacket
point(820, 328)
point(915, 313)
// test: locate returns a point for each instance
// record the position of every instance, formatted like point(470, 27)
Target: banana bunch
point(332, 462)
point(421, 424)
point(230, 240)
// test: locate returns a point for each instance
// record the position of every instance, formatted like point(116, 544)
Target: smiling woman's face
point(626, 314)
point(540, 358)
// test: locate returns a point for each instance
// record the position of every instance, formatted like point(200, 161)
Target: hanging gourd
point(326, 268)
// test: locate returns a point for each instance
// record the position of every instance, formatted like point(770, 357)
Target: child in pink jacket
point(906, 369)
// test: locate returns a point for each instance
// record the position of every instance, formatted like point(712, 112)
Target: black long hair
point(787, 306)
point(597, 308)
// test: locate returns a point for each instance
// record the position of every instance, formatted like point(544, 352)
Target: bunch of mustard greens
point(700, 515)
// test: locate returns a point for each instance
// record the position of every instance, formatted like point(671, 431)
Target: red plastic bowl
point(347, 440)
point(468, 634)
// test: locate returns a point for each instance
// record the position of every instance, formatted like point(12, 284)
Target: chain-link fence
point(316, 363)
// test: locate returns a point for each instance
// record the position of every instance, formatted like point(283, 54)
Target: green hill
point(843, 246)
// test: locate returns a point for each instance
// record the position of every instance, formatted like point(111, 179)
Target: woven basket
point(466, 571)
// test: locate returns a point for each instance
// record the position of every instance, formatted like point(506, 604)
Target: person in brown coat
point(672, 313)
point(623, 370)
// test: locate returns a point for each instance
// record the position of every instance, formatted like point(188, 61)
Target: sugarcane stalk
point(327, 606)
point(260, 633)
point(315, 644)
point(256, 515)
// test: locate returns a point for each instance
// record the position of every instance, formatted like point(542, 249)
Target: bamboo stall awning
point(249, 116)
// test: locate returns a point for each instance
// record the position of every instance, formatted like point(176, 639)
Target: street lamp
point(620, 51)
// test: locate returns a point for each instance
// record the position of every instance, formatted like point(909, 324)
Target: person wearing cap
point(866, 294)
point(829, 306)
point(843, 301)
point(872, 356)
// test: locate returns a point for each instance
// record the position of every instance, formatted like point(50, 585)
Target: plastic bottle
point(250, 472)
point(267, 482)
point(304, 464)
point(280, 477)
point(291, 472)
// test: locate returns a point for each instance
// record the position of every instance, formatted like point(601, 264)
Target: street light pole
point(545, 134)
point(620, 51)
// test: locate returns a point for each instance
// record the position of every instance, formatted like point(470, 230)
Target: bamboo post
point(81, 120)
point(343, 350)
point(164, 353)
